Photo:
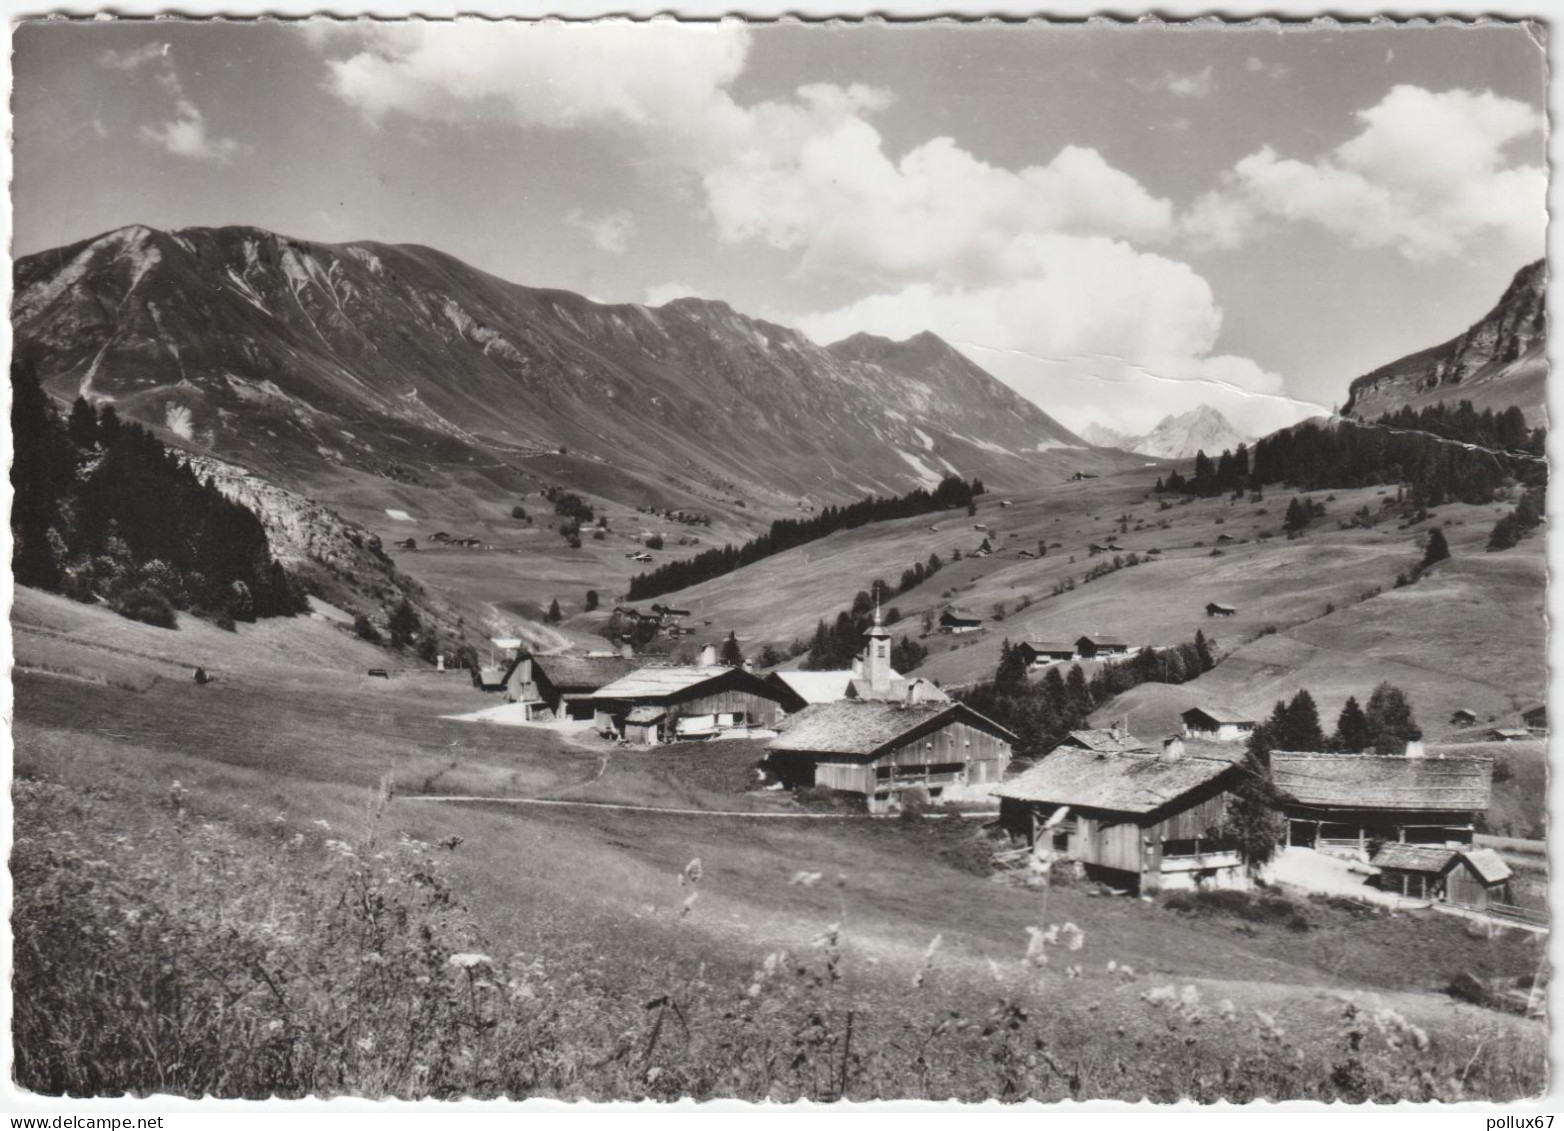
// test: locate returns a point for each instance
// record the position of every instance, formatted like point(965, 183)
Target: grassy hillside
point(279, 764)
point(1471, 630)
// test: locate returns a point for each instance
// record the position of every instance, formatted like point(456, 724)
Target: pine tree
point(1352, 729)
point(553, 616)
point(731, 655)
point(1438, 549)
point(591, 600)
point(1298, 727)
point(82, 426)
point(1080, 703)
point(1203, 652)
point(1390, 722)
point(1010, 676)
point(404, 624)
point(1252, 820)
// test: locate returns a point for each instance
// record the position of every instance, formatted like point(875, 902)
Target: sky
point(1118, 221)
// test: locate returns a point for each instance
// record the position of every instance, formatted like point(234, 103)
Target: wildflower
point(322, 824)
point(652, 1074)
point(469, 961)
point(928, 963)
point(1127, 971)
point(1226, 1009)
point(1112, 965)
point(1074, 937)
point(689, 904)
point(805, 879)
point(691, 873)
point(1189, 997)
point(273, 1025)
point(1035, 954)
point(1073, 971)
point(1160, 995)
point(366, 1044)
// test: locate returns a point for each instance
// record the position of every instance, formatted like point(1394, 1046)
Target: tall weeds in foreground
point(188, 956)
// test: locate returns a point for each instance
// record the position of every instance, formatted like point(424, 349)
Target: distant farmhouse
point(1465, 877)
point(1097, 646)
point(1463, 716)
point(1346, 801)
point(650, 706)
point(561, 686)
point(959, 620)
point(1146, 820)
point(1217, 609)
point(1216, 724)
point(882, 751)
point(1041, 653)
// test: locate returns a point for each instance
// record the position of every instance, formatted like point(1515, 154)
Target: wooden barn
point(694, 703)
point(1217, 609)
point(959, 620)
point(1342, 802)
point(1464, 877)
point(1150, 821)
point(882, 750)
point(1097, 646)
point(561, 686)
point(1463, 716)
point(1041, 653)
point(1216, 724)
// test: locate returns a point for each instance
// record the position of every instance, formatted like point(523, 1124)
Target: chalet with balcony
point(1041, 653)
point(1216, 724)
point(1150, 821)
point(650, 706)
point(1100, 646)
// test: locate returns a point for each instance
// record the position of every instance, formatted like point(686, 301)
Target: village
point(1141, 814)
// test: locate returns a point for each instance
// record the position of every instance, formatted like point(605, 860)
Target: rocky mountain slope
point(319, 365)
point(1501, 361)
point(1202, 428)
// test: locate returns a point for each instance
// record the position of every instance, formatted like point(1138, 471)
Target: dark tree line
point(1445, 453)
point(1521, 521)
point(834, 646)
point(786, 533)
point(1043, 712)
point(103, 510)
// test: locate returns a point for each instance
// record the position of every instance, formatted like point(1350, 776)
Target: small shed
point(1464, 877)
point(642, 725)
point(1153, 821)
point(1509, 734)
point(1216, 724)
point(1098, 645)
point(1041, 653)
point(958, 621)
point(1536, 717)
point(1217, 609)
point(1463, 716)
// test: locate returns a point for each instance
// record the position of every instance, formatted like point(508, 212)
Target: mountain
point(325, 366)
point(1501, 361)
point(1202, 428)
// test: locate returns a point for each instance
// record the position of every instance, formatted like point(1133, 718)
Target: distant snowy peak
point(1202, 428)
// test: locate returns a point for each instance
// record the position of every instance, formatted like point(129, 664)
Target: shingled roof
point(1485, 862)
point(569, 671)
point(654, 683)
point(1116, 783)
point(1220, 715)
point(1105, 741)
point(862, 727)
point(1372, 781)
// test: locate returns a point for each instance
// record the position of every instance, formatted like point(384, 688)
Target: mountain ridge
point(1499, 361)
point(1176, 436)
point(315, 361)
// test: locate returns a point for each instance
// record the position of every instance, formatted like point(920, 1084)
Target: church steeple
point(877, 661)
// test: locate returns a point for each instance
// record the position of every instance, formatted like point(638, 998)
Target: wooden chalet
point(882, 750)
point(1464, 877)
point(1093, 647)
point(959, 620)
point(649, 706)
point(561, 686)
point(1041, 653)
point(1216, 724)
point(1217, 609)
point(1463, 716)
point(1150, 821)
point(1536, 717)
point(1509, 734)
point(1344, 801)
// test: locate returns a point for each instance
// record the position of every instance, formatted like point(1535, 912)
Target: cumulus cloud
point(1429, 175)
point(1084, 322)
point(1042, 266)
point(610, 232)
point(186, 135)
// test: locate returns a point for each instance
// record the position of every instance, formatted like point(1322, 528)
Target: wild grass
point(159, 948)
